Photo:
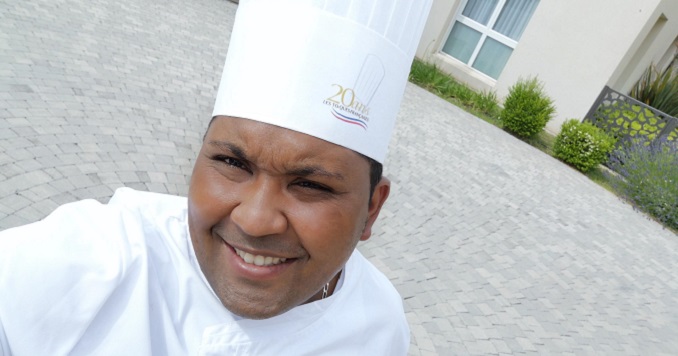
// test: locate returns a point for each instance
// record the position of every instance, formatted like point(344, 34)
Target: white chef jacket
point(122, 279)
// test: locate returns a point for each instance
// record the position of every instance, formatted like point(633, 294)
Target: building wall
point(657, 37)
point(574, 47)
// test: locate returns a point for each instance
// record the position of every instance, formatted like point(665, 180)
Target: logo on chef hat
point(352, 104)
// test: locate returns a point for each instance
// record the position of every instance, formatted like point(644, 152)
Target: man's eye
point(233, 162)
point(315, 186)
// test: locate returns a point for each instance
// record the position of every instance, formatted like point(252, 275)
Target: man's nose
point(260, 210)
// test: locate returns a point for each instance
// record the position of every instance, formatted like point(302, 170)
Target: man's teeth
point(259, 260)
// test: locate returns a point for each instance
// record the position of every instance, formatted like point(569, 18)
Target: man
point(260, 259)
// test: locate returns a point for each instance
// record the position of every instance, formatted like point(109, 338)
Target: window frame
point(484, 30)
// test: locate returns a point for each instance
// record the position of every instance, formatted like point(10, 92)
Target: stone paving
point(495, 247)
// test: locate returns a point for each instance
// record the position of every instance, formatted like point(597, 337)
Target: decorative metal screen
point(627, 118)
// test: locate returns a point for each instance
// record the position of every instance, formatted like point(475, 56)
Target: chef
point(260, 259)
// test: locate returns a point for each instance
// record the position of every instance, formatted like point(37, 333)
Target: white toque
point(332, 69)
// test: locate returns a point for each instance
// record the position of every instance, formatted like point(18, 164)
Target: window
point(485, 33)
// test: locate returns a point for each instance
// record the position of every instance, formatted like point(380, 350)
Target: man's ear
point(381, 192)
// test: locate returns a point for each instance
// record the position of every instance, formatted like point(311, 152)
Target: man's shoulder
point(148, 203)
point(64, 269)
point(372, 280)
point(129, 214)
point(368, 287)
point(374, 308)
point(88, 232)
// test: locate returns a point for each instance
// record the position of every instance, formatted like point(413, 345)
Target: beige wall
point(650, 46)
point(575, 47)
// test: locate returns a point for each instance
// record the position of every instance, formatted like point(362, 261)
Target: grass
point(542, 141)
point(485, 106)
point(601, 176)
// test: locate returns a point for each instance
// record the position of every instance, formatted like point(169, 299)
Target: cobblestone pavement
point(496, 247)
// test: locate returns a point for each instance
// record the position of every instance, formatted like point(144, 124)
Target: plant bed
point(648, 177)
point(429, 77)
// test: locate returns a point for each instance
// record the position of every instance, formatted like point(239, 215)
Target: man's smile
point(256, 265)
point(259, 260)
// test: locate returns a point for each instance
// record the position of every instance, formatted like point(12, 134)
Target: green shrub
point(649, 174)
point(582, 145)
point(527, 109)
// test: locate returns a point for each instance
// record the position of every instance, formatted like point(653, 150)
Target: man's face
point(274, 214)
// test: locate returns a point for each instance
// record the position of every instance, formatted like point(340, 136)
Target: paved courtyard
point(495, 247)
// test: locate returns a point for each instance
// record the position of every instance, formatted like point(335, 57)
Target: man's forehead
point(257, 133)
point(257, 141)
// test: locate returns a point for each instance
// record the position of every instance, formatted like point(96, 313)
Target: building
point(574, 47)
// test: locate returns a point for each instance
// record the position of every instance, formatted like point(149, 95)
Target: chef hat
point(333, 69)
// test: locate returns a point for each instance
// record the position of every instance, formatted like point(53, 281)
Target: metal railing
point(627, 118)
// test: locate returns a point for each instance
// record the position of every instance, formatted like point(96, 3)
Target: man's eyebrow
point(314, 171)
point(235, 150)
point(305, 171)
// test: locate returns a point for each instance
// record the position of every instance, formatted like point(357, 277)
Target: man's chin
point(254, 303)
point(256, 312)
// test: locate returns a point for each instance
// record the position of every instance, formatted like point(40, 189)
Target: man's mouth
point(259, 260)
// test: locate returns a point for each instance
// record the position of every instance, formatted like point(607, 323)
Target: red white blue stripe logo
point(350, 120)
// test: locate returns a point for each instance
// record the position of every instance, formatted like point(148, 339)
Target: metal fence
point(627, 118)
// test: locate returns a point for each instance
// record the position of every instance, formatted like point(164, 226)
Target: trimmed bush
point(527, 109)
point(582, 145)
point(649, 174)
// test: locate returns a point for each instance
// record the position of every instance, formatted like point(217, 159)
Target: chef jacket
point(122, 279)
